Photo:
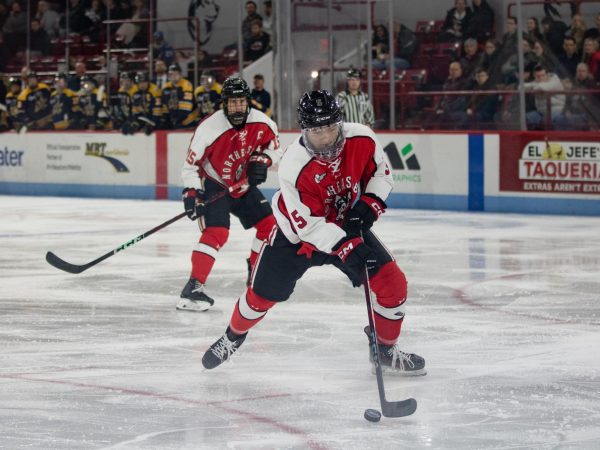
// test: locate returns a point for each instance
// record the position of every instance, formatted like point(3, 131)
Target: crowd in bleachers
point(463, 52)
point(53, 94)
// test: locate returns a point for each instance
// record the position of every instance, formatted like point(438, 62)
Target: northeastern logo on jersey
point(319, 177)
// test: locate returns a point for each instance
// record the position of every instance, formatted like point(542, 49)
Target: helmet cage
point(324, 143)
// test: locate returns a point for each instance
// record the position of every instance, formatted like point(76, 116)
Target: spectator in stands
point(380, 42)
point(582, 111)
point(24, 76)
point(207, 95)
point(544, 81)
point(457, 22)
point(77, 21)
point(4, 53)
point(568, 59)
point(593, 32)
point(508, 45)
point(481, 25)
point(251, 17)
point(116, 11)
point(15, 28)
point(135, 34)
point(267, 19)
point(591, 56)
point(177, 98)
point(48, 18)
point(577, 30)
point(39, 41)
point(258, 43)
point(483, 108)
point(354, 103)
point(204, 60)
point(533, 29)
point(3, 14)
point(259, 97)
point(162, 50)
point(550, 10)
point(543, 57)
point(405, 44)
point(470, 59)
point(95, 14)
point(74, 81)
point(510, 68)
point(160, 74)
point(553, 33)
point(452, 108)
point(489, 60)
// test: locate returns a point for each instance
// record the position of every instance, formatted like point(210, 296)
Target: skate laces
point(403, 358)
point(198, 287)
point(224, 348)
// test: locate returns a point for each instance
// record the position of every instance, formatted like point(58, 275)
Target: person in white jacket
point(545, 81)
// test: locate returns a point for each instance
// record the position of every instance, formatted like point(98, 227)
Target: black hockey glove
point(257, 169)
point(193, 203)
point(363, 214)
point(355, 255)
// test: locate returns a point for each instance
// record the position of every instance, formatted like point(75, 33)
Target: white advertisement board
point(78, 158)
point(420, 163)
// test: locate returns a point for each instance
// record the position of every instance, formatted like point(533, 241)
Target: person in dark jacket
point(258, 43)
point(481, 25)
point(39, 41)
point(568, 59)
point(456, 22)
point(483, 108)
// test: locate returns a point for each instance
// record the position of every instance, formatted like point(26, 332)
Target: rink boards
point(557, 173)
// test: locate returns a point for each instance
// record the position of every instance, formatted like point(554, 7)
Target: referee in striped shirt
point(355, 104)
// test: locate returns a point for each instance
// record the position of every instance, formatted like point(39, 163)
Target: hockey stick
point(399, 408)
point(74, 268)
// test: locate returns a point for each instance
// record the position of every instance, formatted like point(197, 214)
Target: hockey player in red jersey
point(334, 180)
point(230, 145)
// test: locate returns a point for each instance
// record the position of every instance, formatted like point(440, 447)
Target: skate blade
point(188, 305)
point(401, 373)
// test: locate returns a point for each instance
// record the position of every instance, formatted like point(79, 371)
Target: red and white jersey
point(315, 196)
point(220, 152)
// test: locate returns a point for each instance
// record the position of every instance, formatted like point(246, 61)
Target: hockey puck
point(372, 415)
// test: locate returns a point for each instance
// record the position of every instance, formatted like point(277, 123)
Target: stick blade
point(61, 264)
point(402, 408)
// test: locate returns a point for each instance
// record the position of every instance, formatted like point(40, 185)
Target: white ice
point(504, 308)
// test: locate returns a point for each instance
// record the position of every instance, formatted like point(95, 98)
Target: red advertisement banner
point(531, 162)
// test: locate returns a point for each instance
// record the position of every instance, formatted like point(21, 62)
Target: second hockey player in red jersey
point(334, 180)
point(231, 145)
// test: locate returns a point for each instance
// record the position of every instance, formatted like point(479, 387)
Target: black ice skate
point(221, 350)
point(193, 297)
point(395, 361)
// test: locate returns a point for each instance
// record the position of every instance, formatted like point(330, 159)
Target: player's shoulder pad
point(294, 158)
point(199, 90)
point(352, 129)
point(213, 126)
point(186, 85)
point(257, 116)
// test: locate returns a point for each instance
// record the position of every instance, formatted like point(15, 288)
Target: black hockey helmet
point(174, 68)
point(234, 87)
point(353, 73)
point(320, 119)
point(141, 77)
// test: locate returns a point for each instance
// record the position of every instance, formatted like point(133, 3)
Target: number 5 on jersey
point(191, 157)
point(298, 219)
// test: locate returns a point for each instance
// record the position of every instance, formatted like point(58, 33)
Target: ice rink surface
point(504, 308)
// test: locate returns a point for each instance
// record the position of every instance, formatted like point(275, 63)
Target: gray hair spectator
point(48, 18)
